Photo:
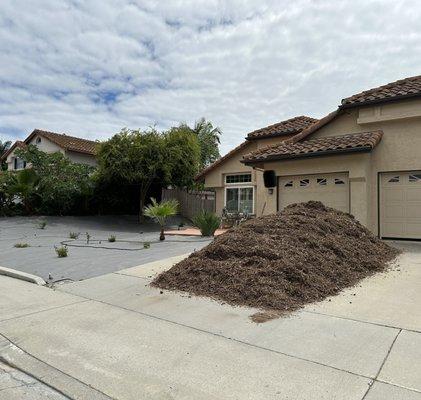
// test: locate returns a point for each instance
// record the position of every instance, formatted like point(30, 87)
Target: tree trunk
point(144, 187)
point(162, 236)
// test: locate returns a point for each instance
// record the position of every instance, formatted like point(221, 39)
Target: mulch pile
point(281, 262)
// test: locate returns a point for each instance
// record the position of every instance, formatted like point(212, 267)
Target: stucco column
point(358, 199)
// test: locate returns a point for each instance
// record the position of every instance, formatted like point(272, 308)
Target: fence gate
point(191, 203)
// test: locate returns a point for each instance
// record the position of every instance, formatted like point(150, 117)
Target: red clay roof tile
point(403, 88)
point(364, 141)
point(288, 127)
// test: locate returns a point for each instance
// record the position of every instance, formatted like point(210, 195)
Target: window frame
point(237, 186)
point(238, 183)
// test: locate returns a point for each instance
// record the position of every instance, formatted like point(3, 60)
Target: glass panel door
point(232, 200)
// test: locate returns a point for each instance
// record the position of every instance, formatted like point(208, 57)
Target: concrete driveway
point(113, 336)
point(85, 260)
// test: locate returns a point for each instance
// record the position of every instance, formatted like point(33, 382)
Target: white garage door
point(400, 205)
point(331, 189)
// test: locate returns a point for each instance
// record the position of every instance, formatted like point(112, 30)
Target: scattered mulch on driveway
point(281, 262)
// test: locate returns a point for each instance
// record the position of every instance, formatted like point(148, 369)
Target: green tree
point(25, 186)
point(135, 157)
point(7, 203)
point(183, 155)
point(4, 146)
point(160, 212)
point(209, 140)
point(62, 186)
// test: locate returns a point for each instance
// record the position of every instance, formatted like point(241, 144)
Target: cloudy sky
point(91, 67)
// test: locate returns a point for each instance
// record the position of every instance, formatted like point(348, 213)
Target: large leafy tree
point(61, 186)
point(209, 140)
point(135, 157)
point(4, 146)
point(182, 155)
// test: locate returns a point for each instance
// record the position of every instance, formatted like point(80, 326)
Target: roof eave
point(379, 101)
point(362, 149)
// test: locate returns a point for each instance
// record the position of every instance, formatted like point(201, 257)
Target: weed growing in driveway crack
point(112, 238)
point(88, 237)
point(74, 235)
point(42, 224)
point(146, 245)
point(21, 245)
point(61, 251)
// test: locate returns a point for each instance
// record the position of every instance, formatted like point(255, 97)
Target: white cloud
point(89, 68)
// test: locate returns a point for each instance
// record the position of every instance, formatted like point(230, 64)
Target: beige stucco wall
point(46, 145)
point(81, 158)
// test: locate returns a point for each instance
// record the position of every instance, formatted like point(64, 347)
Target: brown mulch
point(281, 262)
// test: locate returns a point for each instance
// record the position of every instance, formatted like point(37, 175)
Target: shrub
point(74, 235)
point(21, 245)
point(42, 225)
point(207, 222)
point(61, 251)
point(112, 238)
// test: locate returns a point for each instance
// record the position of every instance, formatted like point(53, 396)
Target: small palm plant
point(160, 212)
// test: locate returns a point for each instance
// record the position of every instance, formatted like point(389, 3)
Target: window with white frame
point(19, 163)
point(239, 199)
point(238, 178)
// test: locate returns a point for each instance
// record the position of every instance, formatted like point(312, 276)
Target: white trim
point(238, 183)
point(236, 186)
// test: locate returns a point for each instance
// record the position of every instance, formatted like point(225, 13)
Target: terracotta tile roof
point(404, 88)
point(18, 143)
point(66, 142)
point(219, 161)
point(287, 127)
point(284, 128)
point(314, 127)
point(356, 142)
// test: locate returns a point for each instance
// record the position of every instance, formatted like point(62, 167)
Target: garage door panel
point(315, 187)
point(394, 211)
point(413, 193)
point(393, 229)
point(400, 205)
point(391, 194)
point(413, 211)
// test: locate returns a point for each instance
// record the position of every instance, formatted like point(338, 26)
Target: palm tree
point(160, 212)
point(24, 187)
point(209, 141)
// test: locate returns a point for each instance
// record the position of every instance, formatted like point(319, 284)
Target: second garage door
point(331, 189)
point(400, 205)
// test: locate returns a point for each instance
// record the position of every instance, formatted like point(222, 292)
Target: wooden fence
point(191, 203)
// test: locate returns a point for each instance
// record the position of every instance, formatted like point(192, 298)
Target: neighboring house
point(78, 150)
point(363, 158)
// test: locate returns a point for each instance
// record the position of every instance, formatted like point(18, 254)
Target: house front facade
point(364, 158)
point(78, 150)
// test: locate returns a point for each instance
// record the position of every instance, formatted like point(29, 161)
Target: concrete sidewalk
point(120, 338)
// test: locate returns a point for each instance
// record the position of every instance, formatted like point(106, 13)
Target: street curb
point(54, 378)
point(22, 275)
